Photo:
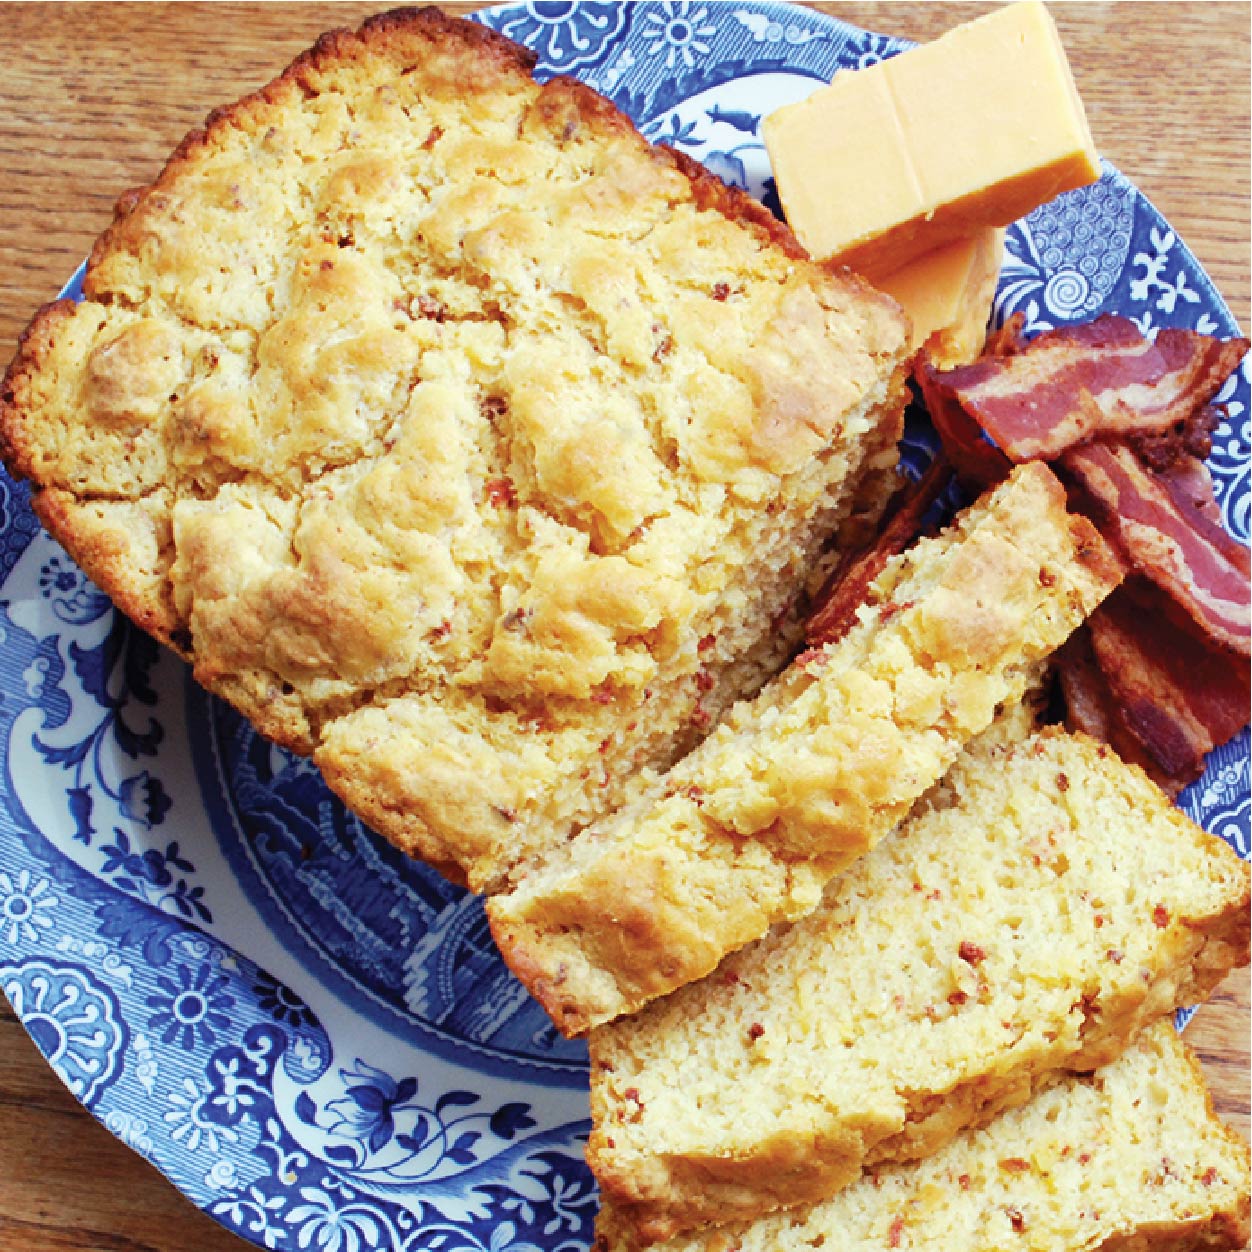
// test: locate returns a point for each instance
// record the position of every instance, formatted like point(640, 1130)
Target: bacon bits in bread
point(797, 784)
point(454, 433)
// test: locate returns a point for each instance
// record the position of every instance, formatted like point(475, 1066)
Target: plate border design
point(292, 1114)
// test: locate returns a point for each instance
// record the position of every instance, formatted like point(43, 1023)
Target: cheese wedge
point(949, 293)
point(971, 131)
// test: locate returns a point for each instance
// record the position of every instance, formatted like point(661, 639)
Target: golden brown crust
point(400, 33)
point(334, 416)
point(16, 445)
point(734, 203)
point(123, 551)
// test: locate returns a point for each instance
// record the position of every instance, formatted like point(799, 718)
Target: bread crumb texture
point(453, 432)
point(795, 785)
point(1130, 1158)
point(1034, 913)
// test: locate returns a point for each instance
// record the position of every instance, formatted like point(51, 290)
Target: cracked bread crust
point(453, 432)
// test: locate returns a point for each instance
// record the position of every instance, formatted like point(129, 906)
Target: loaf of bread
point(1043, 906)
point(1128, 1159)
point(454, 433)
point(792, 787)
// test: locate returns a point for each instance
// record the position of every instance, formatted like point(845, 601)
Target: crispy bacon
point(1161, 692)
point(1008, 339)
point(1161, 671)
point(977, 462)
point(1190, 439)
point(1088, 705)
point(1099, 379)
point(845, 590)
point(1091, 708)
point(1190, 485)
point(1168, 537)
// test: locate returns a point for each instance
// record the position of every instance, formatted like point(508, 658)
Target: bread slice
point(1033, 915)
point(1128, 1159)
point(454, 433)
point(796, 785)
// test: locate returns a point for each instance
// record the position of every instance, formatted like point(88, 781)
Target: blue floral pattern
point(678, 30)
point(783, 28)
point(311, 1035)
point(75, 1021)
point(1067, 256)
point(565, 35)
point(191, 1009)
point(26, 907)
point(388, 1130)
point(394, 938)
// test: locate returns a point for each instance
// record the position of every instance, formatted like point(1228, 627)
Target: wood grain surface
point(92, 98)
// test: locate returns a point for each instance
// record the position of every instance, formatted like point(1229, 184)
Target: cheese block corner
point(948, 295)
point(966, 133)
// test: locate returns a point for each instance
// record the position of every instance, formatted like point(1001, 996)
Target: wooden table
point(92, 97)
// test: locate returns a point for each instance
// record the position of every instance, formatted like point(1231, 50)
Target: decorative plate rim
point(533, 1191)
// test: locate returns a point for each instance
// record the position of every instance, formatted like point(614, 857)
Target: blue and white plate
point(312, 1037)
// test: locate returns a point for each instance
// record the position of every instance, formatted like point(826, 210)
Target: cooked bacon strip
point(1090, 708)
point(978, 463)
point(1175, 692)
point(1008, 340)
point(1189, 486)
point(845, 590)
point(1102, 378)
point(1161, 672)
point(1168, 537)
point(1190, 439)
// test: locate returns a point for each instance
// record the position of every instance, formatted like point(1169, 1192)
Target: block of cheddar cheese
point(971, 131)
point(948, 294)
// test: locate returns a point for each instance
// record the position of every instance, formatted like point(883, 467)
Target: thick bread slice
point(1128, 1159)
point(796, 785)
point(1041, 907)
point(453, 432)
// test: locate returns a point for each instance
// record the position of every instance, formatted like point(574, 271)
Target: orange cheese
point(971, 131)
point(949, 293)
